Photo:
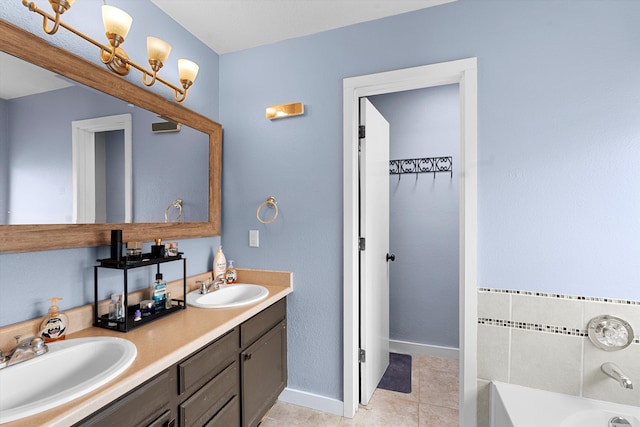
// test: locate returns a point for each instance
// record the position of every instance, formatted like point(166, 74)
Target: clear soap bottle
point(114, 309)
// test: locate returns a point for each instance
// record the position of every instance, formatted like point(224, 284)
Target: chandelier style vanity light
point(117, 24)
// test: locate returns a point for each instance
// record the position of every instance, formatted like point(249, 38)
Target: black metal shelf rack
point(128, 323)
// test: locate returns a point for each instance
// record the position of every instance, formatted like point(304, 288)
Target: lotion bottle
point(219, 265)
point(54, 324)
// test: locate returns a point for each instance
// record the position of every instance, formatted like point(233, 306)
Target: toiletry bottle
point(116, 245)
point(232, 274)
point(120, 308)
point(114, 309)
point(157, 250)
point(219, 265)
point(167, 302)
point(54, 324)
point(159, 292)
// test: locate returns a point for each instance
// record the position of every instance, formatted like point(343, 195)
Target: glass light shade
point(158, 49)
point(116, 21)
point(187, 69)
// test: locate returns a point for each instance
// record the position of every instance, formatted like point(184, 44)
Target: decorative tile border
point(552, 329)
point(559, 296)
point(533, 327)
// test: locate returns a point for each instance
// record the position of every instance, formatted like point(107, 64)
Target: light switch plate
point(254, 238)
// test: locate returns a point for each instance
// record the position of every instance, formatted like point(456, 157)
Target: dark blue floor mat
point(397, 377)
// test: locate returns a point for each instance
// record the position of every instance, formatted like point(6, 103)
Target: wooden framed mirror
point(24, 238)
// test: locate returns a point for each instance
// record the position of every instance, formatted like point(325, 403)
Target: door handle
point(391, 257)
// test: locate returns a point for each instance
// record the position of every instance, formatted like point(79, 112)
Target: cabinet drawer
point(207, 363)
point(163, 420)
point(255, 327)
point(139, 408)
point(229, 416)
point(213, 396)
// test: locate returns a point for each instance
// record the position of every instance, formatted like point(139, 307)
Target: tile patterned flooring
point(433, 401)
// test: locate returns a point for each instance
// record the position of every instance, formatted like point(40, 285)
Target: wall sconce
point(284, 110)
point(117, 24)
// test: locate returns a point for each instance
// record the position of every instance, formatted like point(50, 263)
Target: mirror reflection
point(71, 154)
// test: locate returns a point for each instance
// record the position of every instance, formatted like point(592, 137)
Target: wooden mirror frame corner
point(25, 238)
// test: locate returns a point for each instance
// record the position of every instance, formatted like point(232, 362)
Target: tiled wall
point(540, 340)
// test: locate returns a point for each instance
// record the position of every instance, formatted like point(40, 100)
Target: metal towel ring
point(270, 203)
point(177, 203)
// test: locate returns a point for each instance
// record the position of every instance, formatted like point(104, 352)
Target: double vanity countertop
point(161, 344)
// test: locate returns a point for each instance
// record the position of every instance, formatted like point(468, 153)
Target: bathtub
point(517, 406)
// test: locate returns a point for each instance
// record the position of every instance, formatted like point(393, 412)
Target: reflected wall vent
point(167, 126)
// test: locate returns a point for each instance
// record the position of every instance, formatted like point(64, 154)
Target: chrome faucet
point(205, 287)
point(26, 349)
point(612, 370)
point(618, 422)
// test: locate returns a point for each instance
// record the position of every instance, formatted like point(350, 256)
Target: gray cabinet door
point(263, 374)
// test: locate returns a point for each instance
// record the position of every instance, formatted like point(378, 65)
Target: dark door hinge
point(361, 243)
point(361, 131)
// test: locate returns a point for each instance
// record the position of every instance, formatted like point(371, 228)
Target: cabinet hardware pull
point(247, 356)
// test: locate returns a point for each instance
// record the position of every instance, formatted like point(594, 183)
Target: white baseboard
point(424, 349)
point(312, 401)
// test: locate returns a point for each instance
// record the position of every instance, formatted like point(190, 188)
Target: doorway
point(87, 142)
point(463, 72)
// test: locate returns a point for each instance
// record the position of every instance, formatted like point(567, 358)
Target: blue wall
point(559, 187)
point(559, 194)
point(4, 165)
point(423, 217)
point(113, 143)
point(40, 172)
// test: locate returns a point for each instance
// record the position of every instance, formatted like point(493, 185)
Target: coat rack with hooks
point(423, 165)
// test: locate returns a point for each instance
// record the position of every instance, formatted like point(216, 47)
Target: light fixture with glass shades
point(117, 24)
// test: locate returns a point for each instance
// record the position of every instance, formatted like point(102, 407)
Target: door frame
point(464, 73)
point(83, 164)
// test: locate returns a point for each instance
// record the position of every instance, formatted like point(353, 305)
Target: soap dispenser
point(54, 324)
point(232, 274)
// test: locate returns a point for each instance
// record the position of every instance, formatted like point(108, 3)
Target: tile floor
point(433, 401)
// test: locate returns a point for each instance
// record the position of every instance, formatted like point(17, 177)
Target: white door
point(374, 228)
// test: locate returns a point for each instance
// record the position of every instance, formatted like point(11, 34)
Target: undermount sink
point(228, 296)
point(70, 369)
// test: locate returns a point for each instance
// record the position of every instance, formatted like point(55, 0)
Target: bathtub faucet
point(616, 373)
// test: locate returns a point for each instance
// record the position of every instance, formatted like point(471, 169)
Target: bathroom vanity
point(232, 381)
point(215, 367)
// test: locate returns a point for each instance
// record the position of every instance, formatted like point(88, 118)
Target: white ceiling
point(33, 79)
point(231, 25)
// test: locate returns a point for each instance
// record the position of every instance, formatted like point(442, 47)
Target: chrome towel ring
point(175, 204)
point(269, 203)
